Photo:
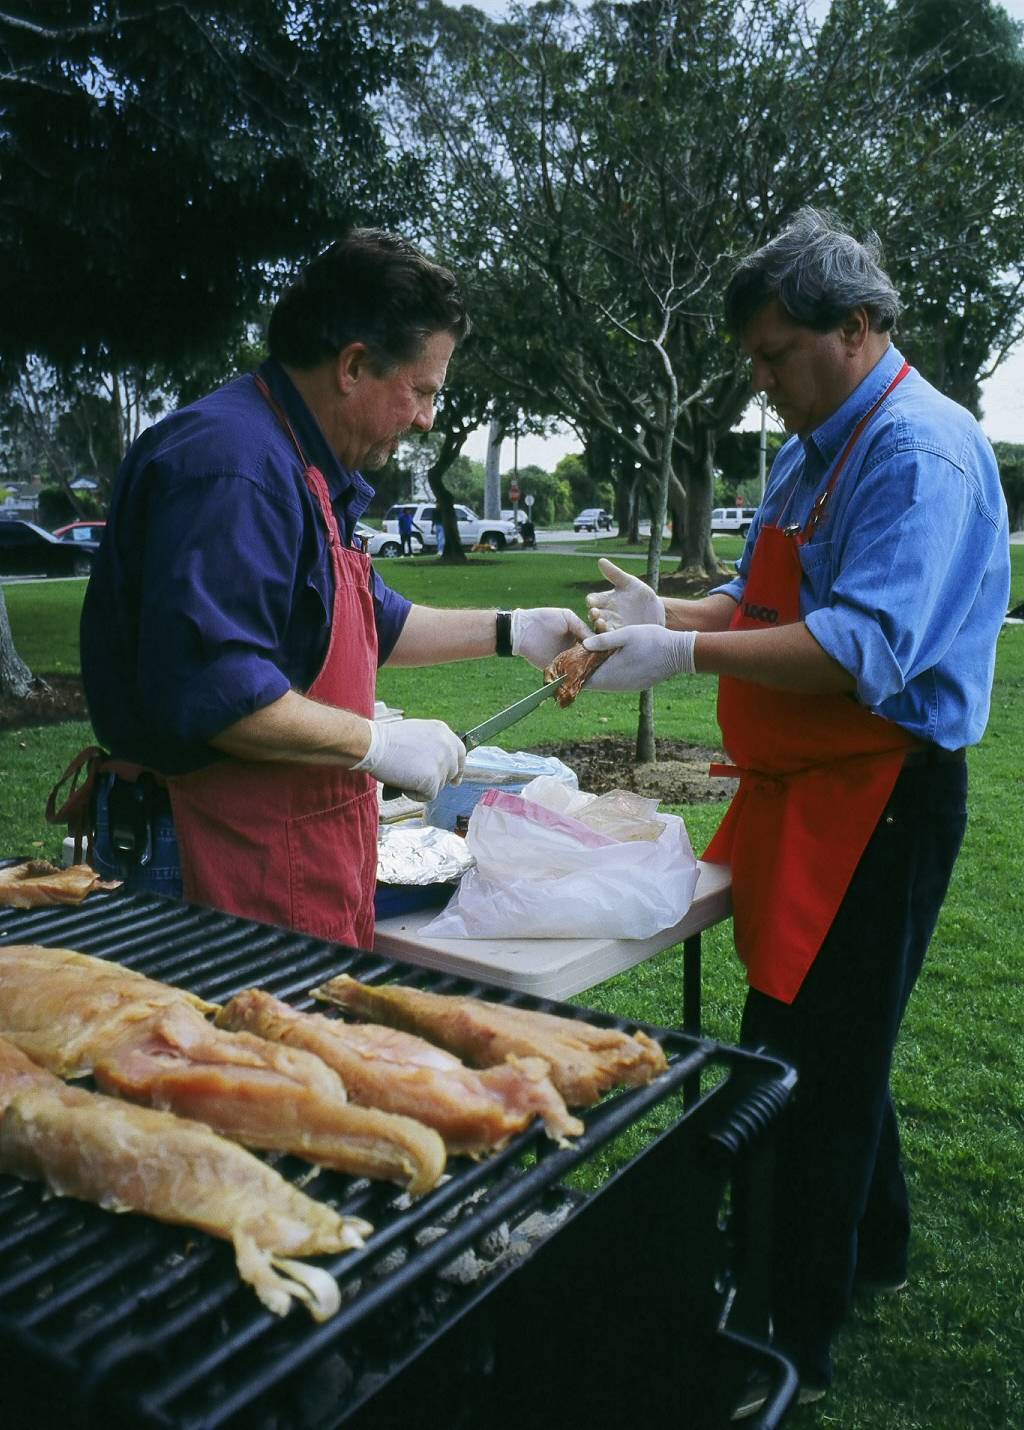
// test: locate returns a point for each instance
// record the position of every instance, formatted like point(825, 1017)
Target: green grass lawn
point(949, 1353)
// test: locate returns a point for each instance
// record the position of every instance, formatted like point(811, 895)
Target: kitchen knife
point(504, 718)
point(509, 715)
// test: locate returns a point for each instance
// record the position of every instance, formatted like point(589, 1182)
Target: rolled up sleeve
point(897, 597)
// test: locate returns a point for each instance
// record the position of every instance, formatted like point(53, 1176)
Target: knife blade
point(504, 718)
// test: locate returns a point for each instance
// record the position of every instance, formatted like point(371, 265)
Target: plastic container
point(487, 766)
point(391, 899)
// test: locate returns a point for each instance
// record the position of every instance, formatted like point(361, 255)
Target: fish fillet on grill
point(473, 1111)
point(127, 1158)
point(149, 1042)
point(37, 883)
point(265, 1095)
point(577, 664)
point(583, 1061)
point(64, 1008)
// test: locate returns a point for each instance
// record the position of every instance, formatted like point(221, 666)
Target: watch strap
point(503, 633)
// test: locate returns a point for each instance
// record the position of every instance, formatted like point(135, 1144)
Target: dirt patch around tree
point(679, 776)
point(55, 699)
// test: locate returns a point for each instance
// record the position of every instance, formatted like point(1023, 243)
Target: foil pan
point(420, 854)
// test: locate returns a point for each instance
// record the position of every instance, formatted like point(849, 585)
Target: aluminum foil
point(420, 854)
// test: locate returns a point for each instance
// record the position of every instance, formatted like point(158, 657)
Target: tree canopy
point(160, 163)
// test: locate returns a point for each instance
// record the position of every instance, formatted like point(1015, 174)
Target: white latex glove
point(642, 656)
point(539, 633)
point(417, 756)
point(630, 602)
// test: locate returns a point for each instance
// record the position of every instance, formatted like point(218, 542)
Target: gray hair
point(819, 273)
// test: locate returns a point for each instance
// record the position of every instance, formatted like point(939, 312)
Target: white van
point(732, 520)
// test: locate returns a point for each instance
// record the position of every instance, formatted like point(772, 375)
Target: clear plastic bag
point(542, 873)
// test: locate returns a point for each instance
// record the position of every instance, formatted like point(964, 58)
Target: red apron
point(815, 774)
point(295, 845)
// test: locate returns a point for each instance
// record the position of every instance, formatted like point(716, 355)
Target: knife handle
point(393, 792)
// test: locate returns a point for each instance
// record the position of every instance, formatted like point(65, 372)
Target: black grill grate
point(124, 1321)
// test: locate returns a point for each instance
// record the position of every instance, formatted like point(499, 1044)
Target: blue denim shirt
point(212, 593)
point(907, 578)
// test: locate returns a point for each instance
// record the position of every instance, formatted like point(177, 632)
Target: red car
point(81, 531)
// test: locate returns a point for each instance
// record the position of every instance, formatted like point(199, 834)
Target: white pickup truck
point(732, 520)
point(473, 530)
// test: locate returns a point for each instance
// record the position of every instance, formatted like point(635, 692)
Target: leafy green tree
point(946, 190)
point(161, 164)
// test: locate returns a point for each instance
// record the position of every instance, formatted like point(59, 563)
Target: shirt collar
point(350, 487)
point(828, 440)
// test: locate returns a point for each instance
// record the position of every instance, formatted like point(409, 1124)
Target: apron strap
point(280, 414)
point(818, 510)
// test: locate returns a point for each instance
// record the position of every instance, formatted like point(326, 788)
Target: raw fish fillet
point(577, 664)
point(474, 1112)
point(264, 1095)
point(37, 883)
point(149, 1042)
point(64, 1009)
point(129, 1158)
point(583, 1061)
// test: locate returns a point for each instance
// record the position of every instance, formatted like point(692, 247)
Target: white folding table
point(560, 967)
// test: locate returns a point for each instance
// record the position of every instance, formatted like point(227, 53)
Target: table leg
point(691, 1010)
point(691, 985)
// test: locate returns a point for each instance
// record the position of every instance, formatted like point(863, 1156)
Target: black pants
point(840, 1197)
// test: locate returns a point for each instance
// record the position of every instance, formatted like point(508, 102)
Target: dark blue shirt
point(212, 592)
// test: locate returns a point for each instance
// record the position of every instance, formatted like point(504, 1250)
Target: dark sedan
point(28, 550)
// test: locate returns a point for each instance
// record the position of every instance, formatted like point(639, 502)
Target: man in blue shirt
point(231, 632)
point(855, 649)
point(406, 527)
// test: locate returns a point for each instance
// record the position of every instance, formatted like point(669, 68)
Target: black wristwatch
point(503, 633)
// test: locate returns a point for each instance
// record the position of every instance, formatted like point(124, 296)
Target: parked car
point(81, 531)
point(28, 550)
point(473, 530)
point(382, 543)
point(732, 520)
point(592, 518)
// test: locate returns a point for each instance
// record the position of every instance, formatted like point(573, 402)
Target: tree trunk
point(599, 467)
point(452, 551)
point(15, 677)
point(699, 561)
point(646, 750)
point(492, 472)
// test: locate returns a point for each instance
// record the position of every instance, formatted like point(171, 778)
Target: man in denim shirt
point(855, 649)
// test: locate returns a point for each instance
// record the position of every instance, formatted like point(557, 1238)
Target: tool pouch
point(131, 802)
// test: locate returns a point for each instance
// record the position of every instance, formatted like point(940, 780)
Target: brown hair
point(371, 287)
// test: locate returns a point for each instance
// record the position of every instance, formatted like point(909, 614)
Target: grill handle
point(753, 1114)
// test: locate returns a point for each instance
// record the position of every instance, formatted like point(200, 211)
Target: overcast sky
point(1002, 396)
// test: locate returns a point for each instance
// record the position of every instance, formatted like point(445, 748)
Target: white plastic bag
point(541, 873)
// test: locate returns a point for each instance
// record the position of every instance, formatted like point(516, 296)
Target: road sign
point(529, 500)
point(513, 492)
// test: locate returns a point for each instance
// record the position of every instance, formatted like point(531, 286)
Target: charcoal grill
point(588, 1286)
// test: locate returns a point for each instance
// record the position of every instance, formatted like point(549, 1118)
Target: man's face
point(806, 375)
point(379, 410)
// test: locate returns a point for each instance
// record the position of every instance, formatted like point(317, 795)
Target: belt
point(933, 755)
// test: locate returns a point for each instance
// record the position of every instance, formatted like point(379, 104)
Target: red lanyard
point(818, 510)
